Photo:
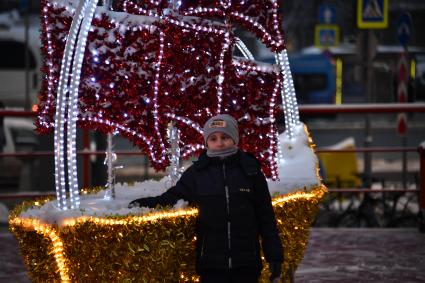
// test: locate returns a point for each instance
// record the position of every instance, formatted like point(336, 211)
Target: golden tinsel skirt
point(157, 247)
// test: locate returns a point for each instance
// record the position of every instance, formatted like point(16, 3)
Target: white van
point(12, 60)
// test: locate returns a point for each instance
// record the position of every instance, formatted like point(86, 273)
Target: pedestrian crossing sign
point(326, 36)
point(372, 14)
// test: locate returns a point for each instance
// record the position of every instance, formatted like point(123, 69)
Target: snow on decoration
point(298, 166)
point(128, 86)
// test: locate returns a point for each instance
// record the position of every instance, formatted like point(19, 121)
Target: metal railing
point(304, 110)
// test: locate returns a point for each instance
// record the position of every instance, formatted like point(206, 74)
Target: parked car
point(13, 63)
point(15, 172)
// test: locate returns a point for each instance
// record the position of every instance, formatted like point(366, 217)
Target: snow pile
point(298, 168)
point(98, 206)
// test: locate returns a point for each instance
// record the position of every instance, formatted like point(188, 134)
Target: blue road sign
point(326, 35)
point(372, 13)
point(404, 28)
point(327, 14)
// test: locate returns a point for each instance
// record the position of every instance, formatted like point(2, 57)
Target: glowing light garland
point(99, 119)
point(156, 91)
point(155, 146)
point(289, 99)
point(221, 78)
point(294, 213)
point(61, 108)
point(73, 102)
point(244, 50)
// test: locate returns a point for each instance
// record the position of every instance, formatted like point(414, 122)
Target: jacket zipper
point(228, 214)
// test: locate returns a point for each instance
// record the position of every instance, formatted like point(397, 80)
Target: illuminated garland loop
point(73, 103)
point(61, 12)
point(87, 8)
point(289, 99)
point(155, 247)
point(61, 105)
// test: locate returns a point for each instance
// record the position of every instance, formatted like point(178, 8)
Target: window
point(12, 56)
point(310, 82)
point(23, 137)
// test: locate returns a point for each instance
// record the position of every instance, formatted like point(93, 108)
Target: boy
point(235, 209)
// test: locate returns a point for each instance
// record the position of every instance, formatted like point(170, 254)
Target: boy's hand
point(134, 203)
point(275, 270)
point(142, 202)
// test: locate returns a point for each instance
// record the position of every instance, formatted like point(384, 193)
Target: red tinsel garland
point(117, 89)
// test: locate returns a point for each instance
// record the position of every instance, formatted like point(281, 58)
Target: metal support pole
point(367, 171)
point(421, 151)
point(86, 159)
point(111, 170)
point(404, 162)
point(368, 82)
point(27, 57)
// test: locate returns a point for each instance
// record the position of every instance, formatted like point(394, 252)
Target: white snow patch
point(298, 169)
point(98, 206)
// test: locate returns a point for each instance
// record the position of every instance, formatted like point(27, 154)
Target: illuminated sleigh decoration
point(133, 71)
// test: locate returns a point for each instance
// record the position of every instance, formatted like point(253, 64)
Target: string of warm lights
point(294, 213)
point(49, 232)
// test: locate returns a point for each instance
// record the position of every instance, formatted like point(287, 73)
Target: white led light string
point(273, 157)
point(185, 120)
point(198, 28)
point(61, 101)
point(49, 61)
point(291, 88)
point(190, 149)
point(220, 78)
point(246, 19)
point(73, 104)
point(156, 92)
point(123, 129)
point(286, 99)
point(244, 50)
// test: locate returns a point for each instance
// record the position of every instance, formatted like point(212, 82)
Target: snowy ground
point(333, 255)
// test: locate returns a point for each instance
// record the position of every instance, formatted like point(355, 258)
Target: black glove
point(275, 270)
point(143, 202)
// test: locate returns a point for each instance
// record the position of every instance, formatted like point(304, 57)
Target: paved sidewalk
point(333, 255)
point(363, 255)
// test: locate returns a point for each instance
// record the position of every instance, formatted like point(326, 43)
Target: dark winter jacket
point(234, 211)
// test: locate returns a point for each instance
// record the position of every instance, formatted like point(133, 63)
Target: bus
point(314, 77)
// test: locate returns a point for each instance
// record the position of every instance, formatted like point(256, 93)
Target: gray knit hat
point(222, 123)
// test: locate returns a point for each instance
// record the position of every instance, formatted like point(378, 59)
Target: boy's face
point(219, 141)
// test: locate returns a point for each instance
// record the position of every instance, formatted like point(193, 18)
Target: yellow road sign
point(326, 35)
point(372, 14)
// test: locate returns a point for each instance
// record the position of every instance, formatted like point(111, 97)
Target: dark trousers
point(242, 275)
